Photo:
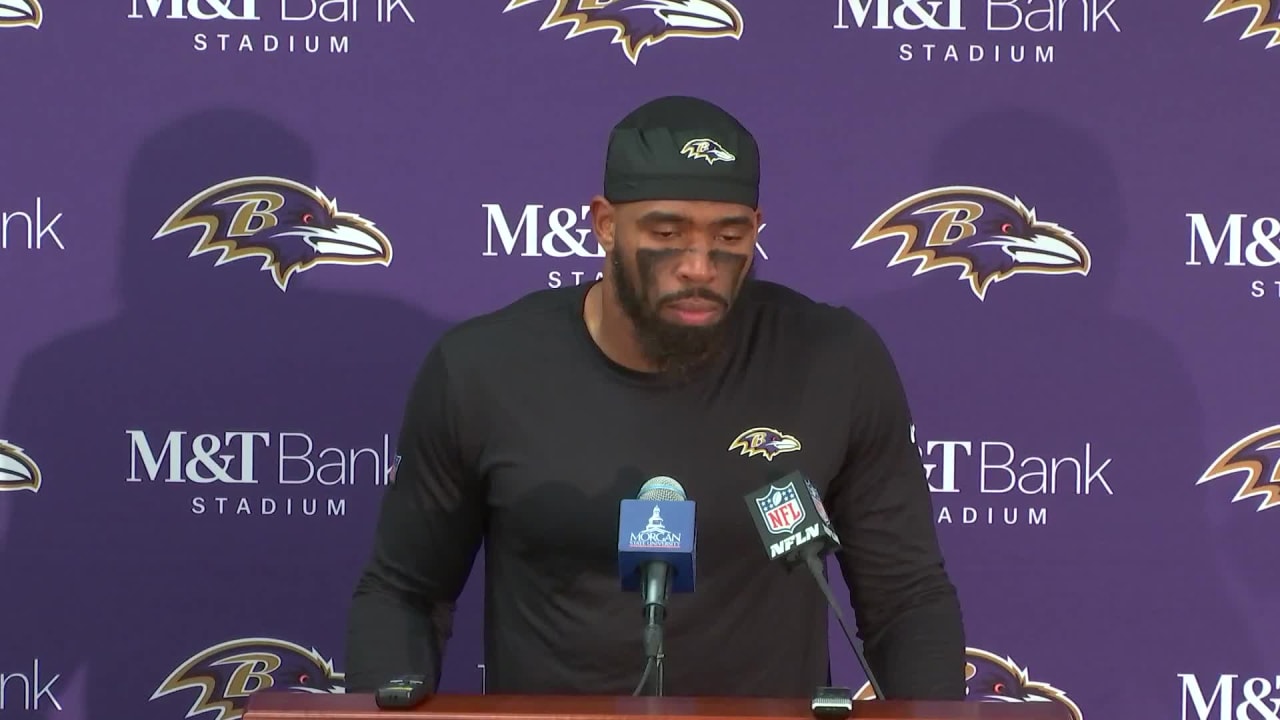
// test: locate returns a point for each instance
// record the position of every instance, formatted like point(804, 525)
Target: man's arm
point(907, 612)
point(430, 526)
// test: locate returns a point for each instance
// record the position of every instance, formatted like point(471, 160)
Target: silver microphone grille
point(661, 488)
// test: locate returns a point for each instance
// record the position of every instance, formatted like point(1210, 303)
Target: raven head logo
point(1258, 457)
point(637, 24)
point(17, 470)
point(1265, 20)
point(293, 228)
point(226, 674)
point(19, 13)
point(764, 441)
point(706, 149)
point(993, 679)
point(988, 235)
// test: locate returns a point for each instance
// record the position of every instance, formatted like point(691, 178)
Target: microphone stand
point(658, 655)
point(658, 675)
point(813, 561)
point(655, 612)
point(653, 646)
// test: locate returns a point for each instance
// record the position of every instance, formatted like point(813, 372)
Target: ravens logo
point(17, 470)
point(1265, 17)
point(19, 13)
point(226, 674)
point(991, 237)
point(293, 228)
point(991, 678)
point(764, 441)
point(1258, 457)
point(637, 24)
point(706, 149)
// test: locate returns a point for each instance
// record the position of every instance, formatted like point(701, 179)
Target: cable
point(644, 679)
point(815, 567)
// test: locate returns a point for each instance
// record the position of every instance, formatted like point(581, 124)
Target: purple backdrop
point(1061, 215)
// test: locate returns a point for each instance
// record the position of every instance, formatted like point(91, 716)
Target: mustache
point(693, 294)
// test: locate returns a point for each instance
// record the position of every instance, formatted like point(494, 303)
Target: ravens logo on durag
point(1258, 457)
point(1264, 17)
point(706, 149)
point(20, 13)
point(290, 226)
point(991, 678)
point(17, 470)
point(226, 674)
point(988, 235)
point(637, 24)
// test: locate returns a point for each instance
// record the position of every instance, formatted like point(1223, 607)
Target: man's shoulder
point(811, 320)
point(830, 341)
point(521, 325)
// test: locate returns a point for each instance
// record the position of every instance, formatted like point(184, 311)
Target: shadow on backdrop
point(1048, 366)
point(124, 581)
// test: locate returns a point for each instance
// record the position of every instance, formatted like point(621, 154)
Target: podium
point(300, 706)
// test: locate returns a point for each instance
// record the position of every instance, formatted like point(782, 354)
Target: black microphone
point(656, 540)
point(794, 527)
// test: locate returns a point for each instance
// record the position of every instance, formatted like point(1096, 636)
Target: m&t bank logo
point(226, 26)
point(248, 473)
point(978, 31)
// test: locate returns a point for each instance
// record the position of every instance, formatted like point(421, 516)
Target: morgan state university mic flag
point(231, 229)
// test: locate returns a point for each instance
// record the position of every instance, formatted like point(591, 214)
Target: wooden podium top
point(293, 706)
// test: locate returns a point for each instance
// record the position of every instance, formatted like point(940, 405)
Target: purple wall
point(209, 437)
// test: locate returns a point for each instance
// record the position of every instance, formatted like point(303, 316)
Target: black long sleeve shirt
point(522, 435)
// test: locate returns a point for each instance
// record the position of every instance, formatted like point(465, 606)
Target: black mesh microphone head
point(662, 488)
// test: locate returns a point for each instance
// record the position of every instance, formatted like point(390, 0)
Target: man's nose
point(695, 265)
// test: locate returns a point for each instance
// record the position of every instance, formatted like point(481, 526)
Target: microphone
point(794, 527)
point(656, 541)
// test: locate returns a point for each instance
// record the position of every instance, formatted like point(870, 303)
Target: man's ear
point(603, 222)
point(756, 250)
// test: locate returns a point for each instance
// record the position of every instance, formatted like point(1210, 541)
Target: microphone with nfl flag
point(791, 521)
point(794, 527)
point(656, 557)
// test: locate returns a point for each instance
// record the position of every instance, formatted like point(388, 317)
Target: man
point(527, 426)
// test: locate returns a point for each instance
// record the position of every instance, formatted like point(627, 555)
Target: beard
point(675, 349)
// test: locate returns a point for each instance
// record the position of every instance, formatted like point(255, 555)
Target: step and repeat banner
point(1061, 214)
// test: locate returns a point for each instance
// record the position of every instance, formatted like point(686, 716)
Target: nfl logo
point(781, 509)
point(817, 503)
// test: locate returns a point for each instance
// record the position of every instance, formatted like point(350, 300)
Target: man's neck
point(612, 330)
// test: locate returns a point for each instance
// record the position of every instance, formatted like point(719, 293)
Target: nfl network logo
point(781, 509)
